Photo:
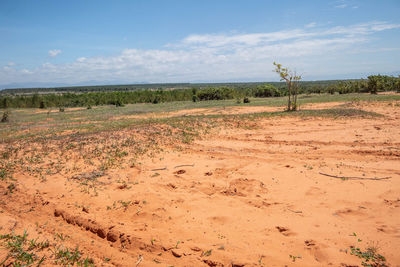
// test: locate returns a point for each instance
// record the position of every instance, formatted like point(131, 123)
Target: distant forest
point(120, 95)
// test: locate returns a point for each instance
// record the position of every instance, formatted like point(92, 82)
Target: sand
point(243, 197)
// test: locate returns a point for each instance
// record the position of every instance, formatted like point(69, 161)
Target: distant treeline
point(39, 99)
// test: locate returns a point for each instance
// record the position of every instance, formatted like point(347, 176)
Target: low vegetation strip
point(118, 97)
point(46, 130)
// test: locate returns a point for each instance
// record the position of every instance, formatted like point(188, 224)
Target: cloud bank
point(214, 57)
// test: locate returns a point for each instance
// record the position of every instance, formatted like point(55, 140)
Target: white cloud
point(311, 25)
point(54, 52)
point(214, 57)
point(26, 71)
point(81, 59)
point(11, 64)
point(341, 6)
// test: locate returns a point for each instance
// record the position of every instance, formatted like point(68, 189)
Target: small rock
point(176, 253)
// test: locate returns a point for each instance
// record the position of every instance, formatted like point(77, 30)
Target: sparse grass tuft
point(370, 256)
point(21, 250)
point(68, 257)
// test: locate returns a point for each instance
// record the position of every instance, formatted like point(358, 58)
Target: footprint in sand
point(347, 212)
point(244, 187)
point(315, 250)
point(386, 229)
point(315, 191)
point(285, 231)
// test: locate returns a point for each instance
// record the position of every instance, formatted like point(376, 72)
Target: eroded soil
point(247, 196)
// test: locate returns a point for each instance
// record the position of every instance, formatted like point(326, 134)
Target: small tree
point(375, 84)
point(291, 79)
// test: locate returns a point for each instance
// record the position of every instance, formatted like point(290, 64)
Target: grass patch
point(23, 251)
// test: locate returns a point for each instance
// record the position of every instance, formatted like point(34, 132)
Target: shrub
point(156, 99)
point(246, 100)
point(216, 93)
point(5, 117)
point(266, 90)
point(42, 104)
point(61, 109)
point(119, 103)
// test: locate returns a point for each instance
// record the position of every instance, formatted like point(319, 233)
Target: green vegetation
point(41, 123)
point(120, 95)
point(68, 257)
point(5, 116)
point(292, 80)
point(370, 256)
point(21, 250)
point(24, 252)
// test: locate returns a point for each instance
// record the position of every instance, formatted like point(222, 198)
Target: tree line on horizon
point(374, 84)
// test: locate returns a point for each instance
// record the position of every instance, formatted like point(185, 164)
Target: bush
point(42, 104)
point(119, 103)
point(266, 90)
point(5, 117)
point(397, 86)
point(61, 109)
point(216, 93)
point(156, 99)
point(195, 98)
point(246, 100)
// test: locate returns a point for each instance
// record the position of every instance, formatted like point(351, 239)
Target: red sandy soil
point(246, 197)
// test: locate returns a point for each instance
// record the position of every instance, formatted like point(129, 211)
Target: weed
point(206, 253)
point(4, 174)
point(68, 257)
point(11, 188)
point(125, 204)
point(21, 250)
point(61, 236)
point(370, 256)
point(294, 257)
point(308, 166)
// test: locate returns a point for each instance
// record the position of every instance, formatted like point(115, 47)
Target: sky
point(89, 42)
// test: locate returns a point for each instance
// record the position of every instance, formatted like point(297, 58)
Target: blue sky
point(95, 42)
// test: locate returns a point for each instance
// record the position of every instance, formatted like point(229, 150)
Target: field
point(212, 183)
